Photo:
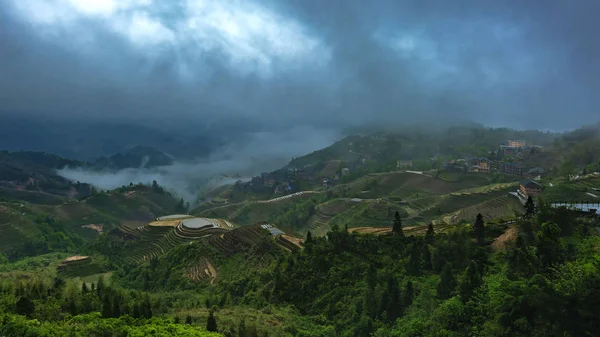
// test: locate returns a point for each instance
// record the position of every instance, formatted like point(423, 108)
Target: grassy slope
point(17, 223)
point(420, 199)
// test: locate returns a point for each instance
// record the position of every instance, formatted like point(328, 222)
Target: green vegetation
point(419, 268)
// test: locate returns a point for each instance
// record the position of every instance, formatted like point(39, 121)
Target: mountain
point(88, 140)
point(136, 157)
point(386, 234)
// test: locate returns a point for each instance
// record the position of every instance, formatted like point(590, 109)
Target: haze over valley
point(283, 168)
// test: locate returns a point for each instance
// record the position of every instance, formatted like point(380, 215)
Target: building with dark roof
point(530, 188)
point(512, 168)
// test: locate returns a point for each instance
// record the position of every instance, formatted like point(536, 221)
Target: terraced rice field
point(164, 223)
point(202, 270)
point(408, 230)
point(319, 223)
point(155, 241)
point(500, 207)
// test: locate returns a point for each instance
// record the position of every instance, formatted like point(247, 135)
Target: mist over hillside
point(238, 160)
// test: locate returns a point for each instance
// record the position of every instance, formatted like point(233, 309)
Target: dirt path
point(294, 240)
point(211, 272)
point(508, 236)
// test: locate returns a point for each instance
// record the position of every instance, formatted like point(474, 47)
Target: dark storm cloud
point(265, 65)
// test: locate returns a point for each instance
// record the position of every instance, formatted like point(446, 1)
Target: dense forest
point(544, 282)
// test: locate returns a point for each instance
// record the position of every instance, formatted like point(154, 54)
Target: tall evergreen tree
point(137, 312)
point(414, 262)
point(73, 307)
point(529, 207)
point(211, 322)
point(242, 332)
point(146, 308)
point(447, 282)
point(100, 286)
point(106, 307)
point(252, 332)
point(397, 227)
point(470, 282)
point(408, 295)
point(550, 247)
point(84, 288)
point(116, 308)
point(437, 260)
point(25, 307)
point(427, 265)
point(308, 237)
point(394, 305)
point(479, 229)
point(430, 234)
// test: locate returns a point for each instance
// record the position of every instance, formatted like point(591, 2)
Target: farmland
point(373, 199)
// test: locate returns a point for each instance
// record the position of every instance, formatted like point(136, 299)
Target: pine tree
point(447, 282)
point(100, 286)
point(430, 234)
point(252, 332)
point(397, 227)
point(242, 329)
point(25, 307)
point(408, 295)
point(529, 207)
point(470, 282)
point(137, 312)
point(479, 230)
point(427, 265)
point(146, 307)
point(84, 288)
point(116, 308)
point(106, 307)
point(437, 260)
point(550, 247)
point(414, 262)
point(308, 237)
point(394, 305)
point(73, 307)
point(211, 322)
point(371, 276)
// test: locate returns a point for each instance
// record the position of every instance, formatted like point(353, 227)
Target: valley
point(294, 249)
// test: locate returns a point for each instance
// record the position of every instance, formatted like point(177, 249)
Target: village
point(514, 158)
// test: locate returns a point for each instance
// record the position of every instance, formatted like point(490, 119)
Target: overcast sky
point(274, 64)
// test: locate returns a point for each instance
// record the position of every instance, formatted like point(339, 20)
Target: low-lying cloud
point(261, 152)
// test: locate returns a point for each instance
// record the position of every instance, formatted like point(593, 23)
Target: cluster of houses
point(511, 149)
point(283, 182)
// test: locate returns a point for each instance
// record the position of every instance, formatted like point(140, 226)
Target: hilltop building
point(512, 147)
point(512, 168)
point(481, 164)
point(530, 188)
point(515, 143)
point(535, 173)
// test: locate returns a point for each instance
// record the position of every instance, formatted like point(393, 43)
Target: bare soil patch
point(298, 242)
point(508, 236)
point(165, 223)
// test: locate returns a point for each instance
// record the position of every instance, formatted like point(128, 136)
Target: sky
point(265, 65)
point(290, 75)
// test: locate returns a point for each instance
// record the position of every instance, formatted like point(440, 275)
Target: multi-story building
point(530, 188)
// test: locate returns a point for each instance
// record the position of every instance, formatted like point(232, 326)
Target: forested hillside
point(539, 278)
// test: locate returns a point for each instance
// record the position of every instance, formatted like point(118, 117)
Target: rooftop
point(531, 183)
